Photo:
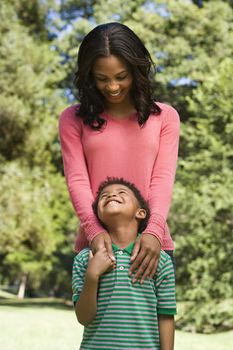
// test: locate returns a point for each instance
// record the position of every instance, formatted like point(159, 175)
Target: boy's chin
point(112, 212)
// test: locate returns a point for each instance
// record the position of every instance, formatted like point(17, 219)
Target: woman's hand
point(145, 257)
point(101, 241)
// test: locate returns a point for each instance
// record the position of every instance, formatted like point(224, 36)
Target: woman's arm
point(163, 175)
point(77, 178)
point(147, 249)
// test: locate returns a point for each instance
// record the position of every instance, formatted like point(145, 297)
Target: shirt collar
point(127, 249)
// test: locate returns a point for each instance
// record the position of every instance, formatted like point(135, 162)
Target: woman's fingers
point(137, 262)
point(150, 270)
point(101, 241)
point(108, 245)
point(135, 250)
point(142, 268)
point(146, 260)
point(90, 255)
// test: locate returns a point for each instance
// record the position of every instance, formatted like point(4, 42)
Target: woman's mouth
point(114, 94)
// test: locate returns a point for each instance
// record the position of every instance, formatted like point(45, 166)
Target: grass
point(51, 325)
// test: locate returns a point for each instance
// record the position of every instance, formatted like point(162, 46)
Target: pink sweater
point(145, 156)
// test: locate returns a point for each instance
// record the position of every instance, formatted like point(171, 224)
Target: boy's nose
point(112, 194)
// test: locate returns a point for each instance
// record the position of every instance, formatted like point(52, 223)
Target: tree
point(32, 190)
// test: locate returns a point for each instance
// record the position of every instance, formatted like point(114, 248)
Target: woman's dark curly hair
point(118, 40)
point(141, 201)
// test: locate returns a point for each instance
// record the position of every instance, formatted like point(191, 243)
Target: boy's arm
point(166, 331)
point(166, 307)
point(86, 306)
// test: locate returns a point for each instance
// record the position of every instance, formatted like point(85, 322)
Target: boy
point(116, 313)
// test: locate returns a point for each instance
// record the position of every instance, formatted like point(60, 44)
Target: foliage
point(209, 318)
point(203, 208)
point(35, 210)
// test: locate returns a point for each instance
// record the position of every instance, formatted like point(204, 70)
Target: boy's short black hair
point(141, 201)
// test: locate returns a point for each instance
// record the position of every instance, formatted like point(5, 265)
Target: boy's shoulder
point(164, 261)
point(82, 256)
point(164, 256)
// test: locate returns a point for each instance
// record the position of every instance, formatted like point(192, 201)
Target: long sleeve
point(75, 169)
point(163, 175)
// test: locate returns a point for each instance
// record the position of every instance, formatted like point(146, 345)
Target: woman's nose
point(113, 87)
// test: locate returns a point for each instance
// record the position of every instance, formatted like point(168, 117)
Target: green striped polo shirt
point(126, 313)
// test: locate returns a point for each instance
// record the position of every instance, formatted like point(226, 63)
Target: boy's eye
point(103, 195)
point(122, 192)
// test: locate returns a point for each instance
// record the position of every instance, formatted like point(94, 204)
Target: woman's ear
point(140, 214)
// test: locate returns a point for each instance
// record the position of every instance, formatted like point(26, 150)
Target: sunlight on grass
point(46, 324)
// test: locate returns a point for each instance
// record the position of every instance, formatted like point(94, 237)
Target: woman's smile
point(113, 79)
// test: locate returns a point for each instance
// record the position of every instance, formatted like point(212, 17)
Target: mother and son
point(119, 151)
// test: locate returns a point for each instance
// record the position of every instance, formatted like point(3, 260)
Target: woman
point(119, 130)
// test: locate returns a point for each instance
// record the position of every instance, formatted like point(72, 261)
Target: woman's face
point(113, 79)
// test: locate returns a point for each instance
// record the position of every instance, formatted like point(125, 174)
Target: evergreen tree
point(32, 216)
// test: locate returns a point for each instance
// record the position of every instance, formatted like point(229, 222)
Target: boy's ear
point(140, 214)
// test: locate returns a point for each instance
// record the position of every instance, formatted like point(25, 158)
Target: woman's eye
point(101, 79)
point(122, 77)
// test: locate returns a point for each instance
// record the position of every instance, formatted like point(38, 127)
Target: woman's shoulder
point(69, 112)
point(168, 113)
point(68, 117)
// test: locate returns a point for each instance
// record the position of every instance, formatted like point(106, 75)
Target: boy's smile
point(111, 199)
point(117, 200)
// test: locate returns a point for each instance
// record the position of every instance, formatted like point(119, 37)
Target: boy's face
point(118, 199)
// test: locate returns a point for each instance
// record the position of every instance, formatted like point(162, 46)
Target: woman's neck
point(120, 111)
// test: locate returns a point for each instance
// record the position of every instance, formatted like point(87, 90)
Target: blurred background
point(191, 43)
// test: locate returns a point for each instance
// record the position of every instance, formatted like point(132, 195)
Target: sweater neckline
point(109, 116)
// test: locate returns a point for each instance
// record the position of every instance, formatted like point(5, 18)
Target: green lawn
point(51, 325)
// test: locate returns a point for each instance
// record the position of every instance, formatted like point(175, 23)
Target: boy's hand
point(103, 240)
point(145, 257)
point(99, 263)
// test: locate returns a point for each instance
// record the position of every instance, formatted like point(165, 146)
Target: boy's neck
point(122, 236)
